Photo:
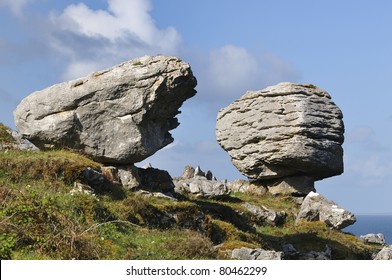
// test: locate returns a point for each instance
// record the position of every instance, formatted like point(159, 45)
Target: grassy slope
point(40, 219)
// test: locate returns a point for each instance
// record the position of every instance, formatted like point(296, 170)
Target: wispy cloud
point(93, 39)
point(16, 6)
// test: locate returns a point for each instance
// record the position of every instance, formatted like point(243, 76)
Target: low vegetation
point(40, 218)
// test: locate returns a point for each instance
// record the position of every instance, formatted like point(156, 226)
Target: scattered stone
point(316, 208)
point(201, 184)
point(10, 139)
point(202, 187)
point(283, 130)
point(313, 255)
point(155, 180)
point(373, 238)
point(156, 194)
point(82, 188)
point(245, 253)
point(245, 186)
point(264, 215)
point(120, 115)
point(289, 252)
point(189, 172)
point(385, 253)
point(129, 177)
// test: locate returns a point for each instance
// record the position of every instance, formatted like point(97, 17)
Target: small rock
point(245, 253)
point(264, 215)
point(373, 238)
point(313, 255)
point(316, 208)
point(82, 188)
point(385, 253)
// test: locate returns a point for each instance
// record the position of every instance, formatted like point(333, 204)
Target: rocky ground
point(62, 205)
point(70, 187)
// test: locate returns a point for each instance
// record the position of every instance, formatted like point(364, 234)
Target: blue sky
point(343, 47)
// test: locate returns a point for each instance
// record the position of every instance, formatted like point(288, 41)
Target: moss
point(137, 63)
point(309, 86)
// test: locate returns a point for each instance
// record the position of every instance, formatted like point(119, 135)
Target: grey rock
point(294, 186)
point(290, 252)
point(17, 142)
point(313, 255)
point(374, 238)
point(189, 172)
point(283, 130)
point(129, 176)
point(202, 187)
point(80, 188)
point(201, 184)
point(264, 215)
point(155, 180)
point(120, 115)
point(245, 253)
point(316, 208)
point(245, 186)
point(385, 253)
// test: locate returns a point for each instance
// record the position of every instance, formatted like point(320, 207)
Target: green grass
point(5, 137)
point(41, 219)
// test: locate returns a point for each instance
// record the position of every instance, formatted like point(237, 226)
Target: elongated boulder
point(283, 130)
point(119, 115)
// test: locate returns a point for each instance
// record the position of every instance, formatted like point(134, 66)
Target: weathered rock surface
point(10, 139)
point(146, 178)
point(265, 216)
point(245, 253)
point(201, 184)
point(374, 238)
point(283, 130)
point(120, 115)
point(385, 253)
point(245, 186)
point(316, 208)
point(294, 186)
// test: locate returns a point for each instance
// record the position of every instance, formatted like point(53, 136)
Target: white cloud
point(231, 70)
point(231, 66)
point(16, 6)
point(94, 39)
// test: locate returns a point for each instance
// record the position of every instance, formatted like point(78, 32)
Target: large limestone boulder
point(120, 115)
point(316, 207)
point(283, 130)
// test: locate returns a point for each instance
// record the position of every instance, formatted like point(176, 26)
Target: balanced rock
point(283, 130)
point(120, 115)
point(315, 207)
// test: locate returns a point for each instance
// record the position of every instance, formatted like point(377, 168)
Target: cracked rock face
point(283, 130)
point(120, 115)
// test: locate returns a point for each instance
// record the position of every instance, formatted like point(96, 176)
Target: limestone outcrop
point(121, 115)
point(315, 207)
point(283, 130)
point(200, 184)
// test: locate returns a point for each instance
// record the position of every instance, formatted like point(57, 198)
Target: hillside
point(44, 216)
